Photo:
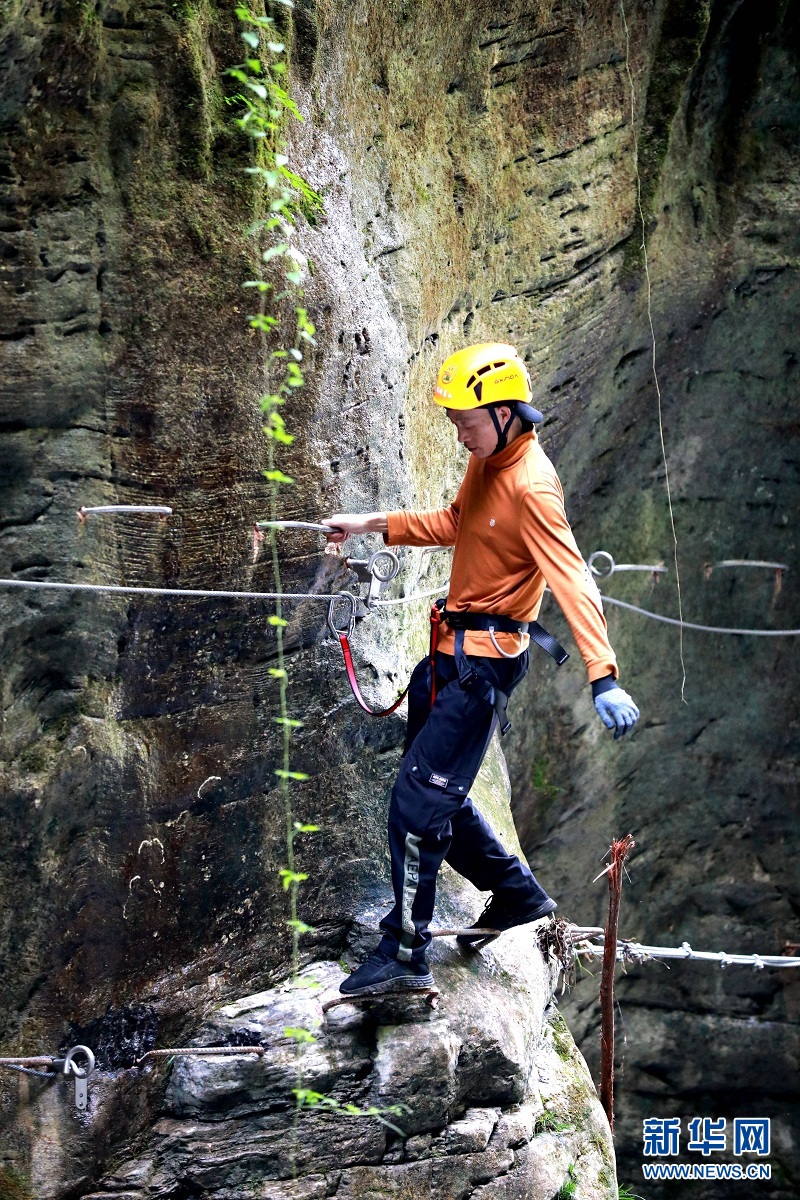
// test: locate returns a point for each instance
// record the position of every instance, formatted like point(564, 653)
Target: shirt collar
point(511, 454)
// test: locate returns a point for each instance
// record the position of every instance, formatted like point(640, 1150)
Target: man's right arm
point(345, 525)
point(433, 527)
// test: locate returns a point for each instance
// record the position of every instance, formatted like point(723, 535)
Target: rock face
point(708, 787)
point(490, 1101)
point(477, 171)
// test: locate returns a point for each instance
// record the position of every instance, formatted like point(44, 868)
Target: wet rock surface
point(463, 1103)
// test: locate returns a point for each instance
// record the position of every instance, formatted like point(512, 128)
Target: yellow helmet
point(483, 375)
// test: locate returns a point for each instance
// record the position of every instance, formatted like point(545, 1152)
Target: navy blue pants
point(431, 816)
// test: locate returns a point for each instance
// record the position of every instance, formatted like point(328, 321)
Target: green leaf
point(294, 277)
point(277, 673)
point(300, 927)
point(254, 64)
point(277, 476)
point(306, 828)
point(245, 15)
point(274, 251)
point(279, 435)
point(299, 1034)
point(261, 284)
point(291, 877)
point(291, 774)
point(279, 621)
point(290, 721)
point(258, 88)
point(263, 321)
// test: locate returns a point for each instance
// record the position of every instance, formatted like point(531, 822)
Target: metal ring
point(383, 574)
point(79, 1072)
point(351, 624)
point(595, 571)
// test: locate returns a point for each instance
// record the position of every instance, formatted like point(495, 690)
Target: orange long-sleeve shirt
point(511, 539)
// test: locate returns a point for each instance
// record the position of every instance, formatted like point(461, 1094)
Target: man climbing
point(511, 539)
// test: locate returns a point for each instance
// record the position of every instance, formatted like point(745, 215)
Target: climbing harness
point(470, 679)
point(381, 568)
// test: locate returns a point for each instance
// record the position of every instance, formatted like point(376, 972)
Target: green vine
point(263, 104)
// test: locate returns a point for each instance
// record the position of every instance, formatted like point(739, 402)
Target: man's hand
point(345, 525)
point(616, 710)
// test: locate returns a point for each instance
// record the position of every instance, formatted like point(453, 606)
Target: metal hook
point(351, 624)
point(596, 570)
point(81, 1074)
point(381, 567)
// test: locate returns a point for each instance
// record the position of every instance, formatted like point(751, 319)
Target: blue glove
point(615, 707)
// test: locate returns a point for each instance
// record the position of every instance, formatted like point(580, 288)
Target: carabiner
point(351, 624)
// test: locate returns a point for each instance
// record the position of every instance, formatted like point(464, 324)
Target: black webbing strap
point(471, 681)
point(548, 643)
point(501, 624)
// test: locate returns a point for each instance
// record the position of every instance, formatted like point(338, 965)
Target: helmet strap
point(502, 430)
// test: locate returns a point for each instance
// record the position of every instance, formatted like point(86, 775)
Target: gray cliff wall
point(707, 787)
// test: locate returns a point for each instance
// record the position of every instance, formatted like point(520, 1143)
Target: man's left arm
point(552, 544)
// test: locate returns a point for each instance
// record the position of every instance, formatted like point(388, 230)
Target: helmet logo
point(449, 374)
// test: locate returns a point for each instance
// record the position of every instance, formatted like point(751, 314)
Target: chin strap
point(502, 431)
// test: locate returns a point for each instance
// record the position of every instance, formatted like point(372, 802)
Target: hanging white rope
point(654, 369)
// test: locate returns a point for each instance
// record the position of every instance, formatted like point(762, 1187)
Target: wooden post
point(619, 852)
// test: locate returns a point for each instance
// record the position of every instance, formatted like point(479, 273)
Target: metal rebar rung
point(98, 510)
point(199, 1052)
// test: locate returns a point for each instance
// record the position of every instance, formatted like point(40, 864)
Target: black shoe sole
point(403, 983)
point(479, 940)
